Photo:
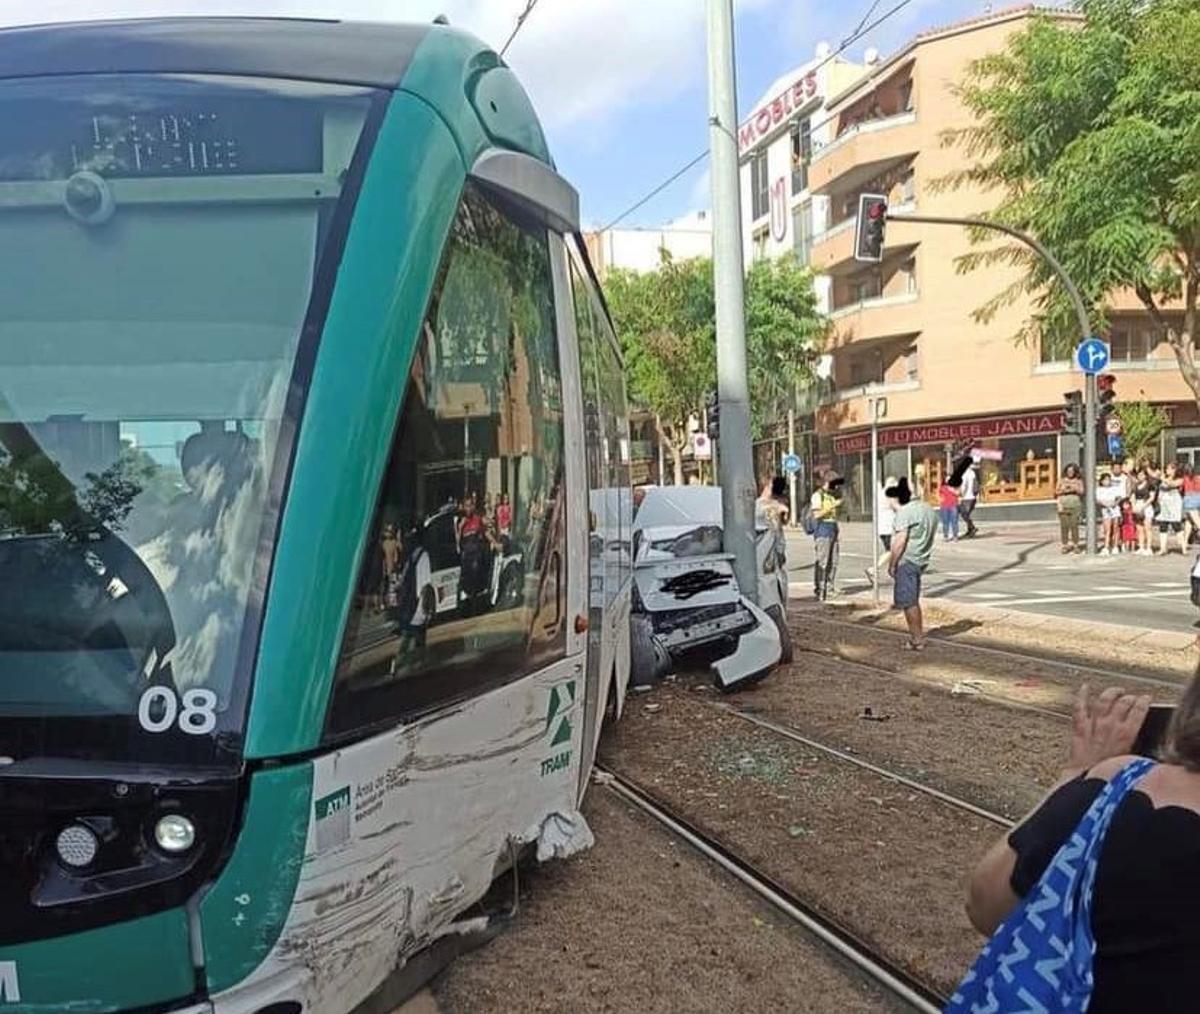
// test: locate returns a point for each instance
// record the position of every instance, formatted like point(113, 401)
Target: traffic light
point(870, 227)
point(712, 408)
point(1106, 384)
point(1073, 411)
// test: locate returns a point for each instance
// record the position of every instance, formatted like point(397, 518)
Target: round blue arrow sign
point(1092, 355)
point(791, 463)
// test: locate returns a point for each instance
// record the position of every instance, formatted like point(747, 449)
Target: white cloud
point(583, 61)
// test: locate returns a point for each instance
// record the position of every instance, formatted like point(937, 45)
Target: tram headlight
point(174, 833)
point(77, 846)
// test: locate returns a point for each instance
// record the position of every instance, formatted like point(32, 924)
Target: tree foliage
point(1141, 426)
point(1090, 131)
point(666, 323)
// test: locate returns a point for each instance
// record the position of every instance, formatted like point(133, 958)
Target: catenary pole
point(1085, 332)
point(736, 465)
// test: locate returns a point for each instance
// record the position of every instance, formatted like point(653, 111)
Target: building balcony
point(833, 249)
point(872, 390)
point(863, 152)
point(878, 318)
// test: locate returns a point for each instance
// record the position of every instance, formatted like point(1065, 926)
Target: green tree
point(665, 320)
point(1090, 131)
point(1141, 426)
point(784, 334)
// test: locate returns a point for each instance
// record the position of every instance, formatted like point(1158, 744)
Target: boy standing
point(912, 547)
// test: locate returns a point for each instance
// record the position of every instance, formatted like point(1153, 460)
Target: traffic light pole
point(1085, 332)
point(736, 462)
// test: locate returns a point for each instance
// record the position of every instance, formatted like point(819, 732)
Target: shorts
point(907, 590)
point(1169, 526)
point(887, 541)
point(1111, 513)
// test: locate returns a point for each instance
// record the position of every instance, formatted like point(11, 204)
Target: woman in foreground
point(1146, 898)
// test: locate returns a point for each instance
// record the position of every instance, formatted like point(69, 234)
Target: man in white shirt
point(966, 500)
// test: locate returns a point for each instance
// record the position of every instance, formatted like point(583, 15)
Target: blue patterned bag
point(1040, 959)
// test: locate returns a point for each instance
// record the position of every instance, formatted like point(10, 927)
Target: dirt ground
point(957, 669)
point(1061, 640)
point(643, 924)
point(880, 859)
point(972, 748)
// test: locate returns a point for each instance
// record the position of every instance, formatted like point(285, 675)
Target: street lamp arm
point(1085, 327)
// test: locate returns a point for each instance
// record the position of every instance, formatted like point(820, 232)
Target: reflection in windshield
point(160, 239)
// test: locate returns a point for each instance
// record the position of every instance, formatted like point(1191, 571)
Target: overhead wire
point(845, 44)
point(521, 18)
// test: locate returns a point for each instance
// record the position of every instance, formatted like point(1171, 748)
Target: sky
point(620, 85)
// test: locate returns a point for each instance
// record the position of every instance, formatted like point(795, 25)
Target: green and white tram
point(314, 509)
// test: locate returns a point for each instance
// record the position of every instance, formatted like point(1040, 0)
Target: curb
point(1112, 633)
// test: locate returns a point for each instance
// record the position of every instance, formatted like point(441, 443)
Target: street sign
point(1092, 355)
point(1116, 445)
point(986, 454)
point(791, 464)
point(701, 446)
point(1112, 426)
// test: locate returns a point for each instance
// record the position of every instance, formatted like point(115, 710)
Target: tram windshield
point(161, 243)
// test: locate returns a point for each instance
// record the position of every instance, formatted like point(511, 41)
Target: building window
point(908, 185)
point(908, 271)
point(906, 96)
point(803, 231)
point(1132, 344)
point(801, 155)
point(760, 245)
point(911, 363)
point(760, 198)
point(1027, 470)
point(463, 580)
point(866, 369)
point(865, 287)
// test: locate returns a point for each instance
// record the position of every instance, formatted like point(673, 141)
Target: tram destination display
point(213, 136)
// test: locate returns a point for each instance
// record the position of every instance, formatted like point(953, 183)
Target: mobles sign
point(949, 432)
point(773, 114)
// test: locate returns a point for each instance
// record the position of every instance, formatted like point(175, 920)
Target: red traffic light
point(1105, 382)
point(876, 210)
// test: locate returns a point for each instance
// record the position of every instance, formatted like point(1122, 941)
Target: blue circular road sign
point(1092, 355)
point(791, 463)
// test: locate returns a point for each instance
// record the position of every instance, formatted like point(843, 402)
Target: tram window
point(464, 577)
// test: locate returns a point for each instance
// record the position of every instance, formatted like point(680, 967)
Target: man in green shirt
point(912, 548)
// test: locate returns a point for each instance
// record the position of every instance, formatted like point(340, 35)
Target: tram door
point(588, 332)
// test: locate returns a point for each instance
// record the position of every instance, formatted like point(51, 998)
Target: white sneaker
point(1103, 552)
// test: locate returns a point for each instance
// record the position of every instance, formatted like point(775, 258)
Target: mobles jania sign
point(773, 114)
point(948, 432)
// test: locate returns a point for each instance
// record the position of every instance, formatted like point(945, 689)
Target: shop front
point(1018, 458)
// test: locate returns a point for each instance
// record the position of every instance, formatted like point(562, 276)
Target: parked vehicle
point(687, 602)
point(274, 293)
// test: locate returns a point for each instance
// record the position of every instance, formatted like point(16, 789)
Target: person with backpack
point(821, 521)
point(414, 604)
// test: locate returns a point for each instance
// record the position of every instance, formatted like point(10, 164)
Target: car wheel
point(785, 634)
point(650, 661)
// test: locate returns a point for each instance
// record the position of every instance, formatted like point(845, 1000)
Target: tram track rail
point(894, 776)
point(1078, 668)
point(846, 943)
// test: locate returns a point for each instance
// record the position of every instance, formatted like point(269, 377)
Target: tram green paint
point(139, 963)
point(430, 136)
point(391, 256)
point(244, 912)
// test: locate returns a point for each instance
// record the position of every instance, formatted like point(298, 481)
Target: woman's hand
point(1105, 726)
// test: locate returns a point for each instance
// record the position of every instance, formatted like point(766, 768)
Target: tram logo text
point(10, 987)
point(558, 726)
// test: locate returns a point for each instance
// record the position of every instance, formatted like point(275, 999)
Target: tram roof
point(345, 52)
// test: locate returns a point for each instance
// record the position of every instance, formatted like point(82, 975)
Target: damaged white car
point(686, 601)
